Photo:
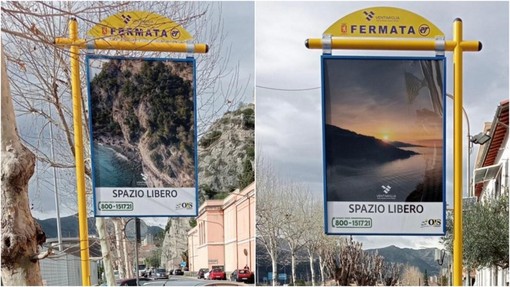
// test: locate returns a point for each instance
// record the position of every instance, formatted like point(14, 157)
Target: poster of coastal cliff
point(383, 145)
point(143, 136)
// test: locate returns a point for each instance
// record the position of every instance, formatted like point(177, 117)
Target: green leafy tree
point(159, 237)
point(485, 230)
point(154, 259)
point(209, 191)
point(248, 175)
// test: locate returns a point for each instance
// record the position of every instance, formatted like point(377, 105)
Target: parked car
point(178, 272)
point(201, 272)
point(244, 275)
point(217, 273)
point(233, 275)
point(142, 271)
point(132, 281)
point(206, 275)
point(160, 273)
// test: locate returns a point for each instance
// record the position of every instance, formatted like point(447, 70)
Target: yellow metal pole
point(78, 150)
point(134, 45)
point(457, 154)
point(393, 44)
point(458, 46)
point(75, 45)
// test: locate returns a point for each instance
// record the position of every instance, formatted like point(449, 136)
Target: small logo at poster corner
point(369, 15)
point(184, 205)
point(386, 189)
point(434, 222)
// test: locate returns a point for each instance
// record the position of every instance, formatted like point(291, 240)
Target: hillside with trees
point(226, 155)
point(144, 109)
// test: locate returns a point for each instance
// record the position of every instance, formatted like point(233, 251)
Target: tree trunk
point(127, 261)
point(105, 251)
point(293, 265)
point(312, 270)
point(118, 241)
point(21, 234)
point(274, 267)
point(321, 267)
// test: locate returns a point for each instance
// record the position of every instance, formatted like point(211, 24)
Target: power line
point(289, 90)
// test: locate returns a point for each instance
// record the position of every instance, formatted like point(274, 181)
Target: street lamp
point(439, 256)
point(480, 138)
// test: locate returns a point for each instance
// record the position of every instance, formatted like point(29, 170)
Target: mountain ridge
point(422, 258)
point(70, 228)
point(348, 148)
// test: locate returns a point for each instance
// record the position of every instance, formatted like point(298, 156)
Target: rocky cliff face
point(144, 110)
point(224, 151)
point(225, 163)
point(175, 242)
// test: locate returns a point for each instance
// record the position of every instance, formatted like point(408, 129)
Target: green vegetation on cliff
point(130, 99)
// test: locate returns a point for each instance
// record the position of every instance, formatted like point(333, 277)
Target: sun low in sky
point(385, 137)
point(371, 97)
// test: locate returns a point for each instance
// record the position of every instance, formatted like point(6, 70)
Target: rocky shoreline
point(119, 146)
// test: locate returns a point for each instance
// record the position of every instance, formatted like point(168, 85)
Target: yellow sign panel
point(385, 22)
point(139, 25)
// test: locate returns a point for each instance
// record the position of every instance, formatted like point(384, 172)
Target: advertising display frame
point(327, 217)
point(195, 194)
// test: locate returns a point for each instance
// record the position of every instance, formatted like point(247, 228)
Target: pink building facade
point(225, 233)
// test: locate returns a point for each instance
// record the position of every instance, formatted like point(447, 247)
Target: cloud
point(414, 242)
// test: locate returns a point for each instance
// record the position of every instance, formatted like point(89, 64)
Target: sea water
point(113, 169)
point(368, 183)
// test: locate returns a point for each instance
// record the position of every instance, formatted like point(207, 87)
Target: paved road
point(189, 281)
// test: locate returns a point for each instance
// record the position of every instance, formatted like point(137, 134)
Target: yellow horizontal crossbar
point(133, 46)
point(394, 44)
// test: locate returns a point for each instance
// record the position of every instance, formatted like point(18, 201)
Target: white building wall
point(485, 276)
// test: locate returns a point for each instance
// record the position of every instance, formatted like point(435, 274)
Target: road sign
point(139, 25)
point(130, 229)
point(385, 22)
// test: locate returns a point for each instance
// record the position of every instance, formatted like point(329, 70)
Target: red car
point(217, 274)
point(245, 275)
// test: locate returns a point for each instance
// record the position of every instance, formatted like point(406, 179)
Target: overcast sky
point(288, 127)
point(238, 48)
